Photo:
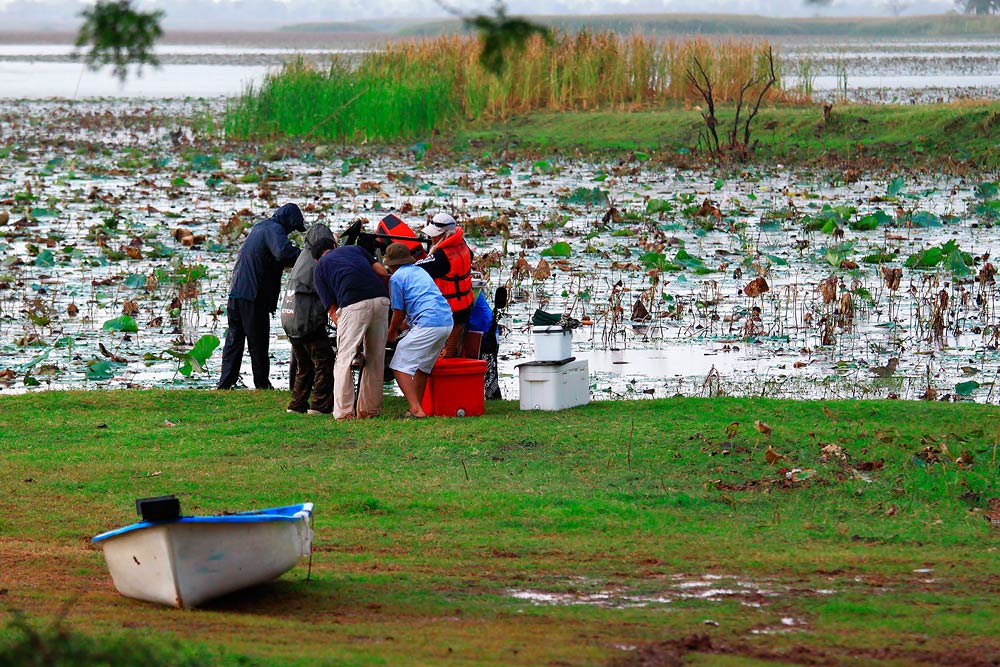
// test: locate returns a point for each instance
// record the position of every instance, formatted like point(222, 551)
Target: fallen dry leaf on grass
point(832, 451)
point(762, 427)
point(992, 512)
point(772, 456)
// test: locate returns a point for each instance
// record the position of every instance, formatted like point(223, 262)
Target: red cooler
point(455, 388)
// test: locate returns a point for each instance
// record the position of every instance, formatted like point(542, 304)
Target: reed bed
point(408, 89)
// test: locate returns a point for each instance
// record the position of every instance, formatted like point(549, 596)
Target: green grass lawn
point(616, 533)
point(960, 136)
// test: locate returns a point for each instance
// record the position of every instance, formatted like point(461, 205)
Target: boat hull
point(185, 563)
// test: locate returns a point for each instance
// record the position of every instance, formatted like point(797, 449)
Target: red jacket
point(456, 286)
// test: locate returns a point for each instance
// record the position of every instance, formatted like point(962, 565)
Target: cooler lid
point(559, 362)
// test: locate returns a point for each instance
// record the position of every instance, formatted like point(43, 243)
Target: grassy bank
point(410, 90)
point(600, 93)
point(855, 532)
point(960, 135)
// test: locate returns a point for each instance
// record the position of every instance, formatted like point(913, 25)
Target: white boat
point(186, 561)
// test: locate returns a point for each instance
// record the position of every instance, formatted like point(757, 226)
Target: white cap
point(439, 224)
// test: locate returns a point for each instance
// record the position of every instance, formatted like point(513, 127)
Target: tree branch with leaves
point(501, 35)
point(119, 35)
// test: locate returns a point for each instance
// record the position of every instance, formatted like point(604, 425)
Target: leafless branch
point(772, 79)
point(705, 90)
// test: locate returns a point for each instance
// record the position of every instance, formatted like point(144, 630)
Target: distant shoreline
point(365, 33)
point(243, 38)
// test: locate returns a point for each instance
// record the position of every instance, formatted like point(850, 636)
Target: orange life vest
point(457, 285)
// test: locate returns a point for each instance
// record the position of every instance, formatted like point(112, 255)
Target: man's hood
point(315, 234)
point(290, 217)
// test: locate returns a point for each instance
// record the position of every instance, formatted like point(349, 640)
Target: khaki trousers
point(365, 323)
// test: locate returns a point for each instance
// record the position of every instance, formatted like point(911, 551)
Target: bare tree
point(703, 84)
point(759, 83)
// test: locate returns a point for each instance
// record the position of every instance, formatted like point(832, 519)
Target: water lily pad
point(100, 369)
point(585, 196)
point(205, 163)
point(966, 388)
point(135, 280)
point(542, 167)
point(654, 206)
point(45, 258)
point(560, 249)
point(659, 261)
point(195, 358)
point(924, 219)
point(871, 221)
point(124, 323)
point(895, 187)
point(986, 190)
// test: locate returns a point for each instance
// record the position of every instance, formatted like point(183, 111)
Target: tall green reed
point(408, 89)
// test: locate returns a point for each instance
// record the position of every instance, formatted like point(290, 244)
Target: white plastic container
point(553, 386)
point(552, 343)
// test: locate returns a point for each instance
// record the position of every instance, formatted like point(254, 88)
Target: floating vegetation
point(116, 252)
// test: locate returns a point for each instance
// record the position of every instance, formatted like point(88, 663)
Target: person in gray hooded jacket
point(304, 319)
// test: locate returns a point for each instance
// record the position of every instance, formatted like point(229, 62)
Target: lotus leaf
point(966, 388)
point(124, 323)
point(895, 187)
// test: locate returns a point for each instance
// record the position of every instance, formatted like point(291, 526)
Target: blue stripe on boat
point(287, 513)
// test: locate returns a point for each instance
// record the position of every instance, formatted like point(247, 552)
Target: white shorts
point(419, 349)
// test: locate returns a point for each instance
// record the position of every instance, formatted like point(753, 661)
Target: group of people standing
point(370, 302)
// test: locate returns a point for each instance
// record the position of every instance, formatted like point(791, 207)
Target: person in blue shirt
point(253, 294)
point(417, 304)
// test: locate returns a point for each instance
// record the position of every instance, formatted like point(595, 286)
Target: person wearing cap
point(351, 283)
point(418, 306)
point(449, 263)
point(253, 294)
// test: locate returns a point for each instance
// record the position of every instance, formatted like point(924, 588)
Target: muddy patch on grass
point(676, 588)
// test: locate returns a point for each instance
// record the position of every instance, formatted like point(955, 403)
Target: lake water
point(94, 189)
point(96, 171)
point(876, 71)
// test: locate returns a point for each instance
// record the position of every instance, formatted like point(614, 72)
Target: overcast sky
point(32, 14)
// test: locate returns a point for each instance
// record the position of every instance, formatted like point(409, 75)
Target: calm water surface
point(876, 71)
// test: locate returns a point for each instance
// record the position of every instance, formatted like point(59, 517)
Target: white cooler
point(546, 385)
point(552, 343)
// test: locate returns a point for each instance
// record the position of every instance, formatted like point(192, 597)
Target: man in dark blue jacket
point(352, 286)
point(254, 291)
